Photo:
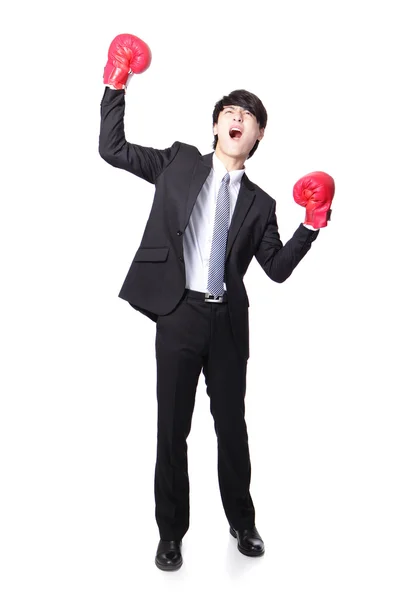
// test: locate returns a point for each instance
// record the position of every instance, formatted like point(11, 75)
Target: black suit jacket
point(155, 282)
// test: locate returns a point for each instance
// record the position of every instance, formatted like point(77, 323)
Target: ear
point(215, 129)
point(262, 131)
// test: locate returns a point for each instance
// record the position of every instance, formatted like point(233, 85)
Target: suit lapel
point(200, 174)
point(245, 200)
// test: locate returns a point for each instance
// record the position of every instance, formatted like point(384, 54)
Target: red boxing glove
point(315, 191)
point(127, 54)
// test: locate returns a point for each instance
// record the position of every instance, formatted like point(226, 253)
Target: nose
point(238, 117)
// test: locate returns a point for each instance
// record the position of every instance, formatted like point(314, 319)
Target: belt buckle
point(212, 298)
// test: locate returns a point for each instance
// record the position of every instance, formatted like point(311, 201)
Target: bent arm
point(278, 260)
point(147, 163)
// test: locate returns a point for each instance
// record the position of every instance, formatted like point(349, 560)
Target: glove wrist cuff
point(317, 219)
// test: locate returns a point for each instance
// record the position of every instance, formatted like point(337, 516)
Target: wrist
point(311, 227)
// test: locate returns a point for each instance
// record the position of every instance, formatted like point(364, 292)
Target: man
point(207, 222)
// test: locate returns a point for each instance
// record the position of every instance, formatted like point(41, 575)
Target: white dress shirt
point(198, 235)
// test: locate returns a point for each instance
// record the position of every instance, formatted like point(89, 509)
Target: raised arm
point(276, 259)
point(315, 192)
point(127, 55)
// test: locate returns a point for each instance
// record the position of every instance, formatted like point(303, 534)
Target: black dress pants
point(197, 336)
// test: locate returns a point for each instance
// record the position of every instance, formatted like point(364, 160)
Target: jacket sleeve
point(278, 260)
point(144, 162)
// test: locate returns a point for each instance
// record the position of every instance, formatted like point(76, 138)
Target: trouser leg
point(225, 374)
point(180, 338)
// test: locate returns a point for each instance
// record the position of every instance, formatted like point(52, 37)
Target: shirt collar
point(220, 171)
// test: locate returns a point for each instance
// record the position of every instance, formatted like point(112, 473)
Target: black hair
point(245, 100)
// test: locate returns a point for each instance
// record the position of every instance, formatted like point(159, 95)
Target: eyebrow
point(241, 107)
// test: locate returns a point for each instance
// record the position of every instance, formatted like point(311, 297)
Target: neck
point(231, 163)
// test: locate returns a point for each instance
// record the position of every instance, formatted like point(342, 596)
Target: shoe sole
point(168, 568)
point(253, 553)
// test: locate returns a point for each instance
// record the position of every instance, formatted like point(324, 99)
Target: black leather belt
point(206, 297)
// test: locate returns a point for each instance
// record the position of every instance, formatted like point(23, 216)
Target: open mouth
point(235, 133)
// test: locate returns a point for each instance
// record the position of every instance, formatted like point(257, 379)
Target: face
point(237, 131)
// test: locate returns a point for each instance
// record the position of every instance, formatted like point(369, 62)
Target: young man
point(207, 222)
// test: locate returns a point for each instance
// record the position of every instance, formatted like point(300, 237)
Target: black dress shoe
point(249, 541)
point(168, 556)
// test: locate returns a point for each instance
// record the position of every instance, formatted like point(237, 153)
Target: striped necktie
point(216, 267)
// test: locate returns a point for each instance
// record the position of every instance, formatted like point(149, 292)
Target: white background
point(78, 405)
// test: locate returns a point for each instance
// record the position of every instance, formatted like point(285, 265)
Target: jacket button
point(181, 258)
point(179, 232)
